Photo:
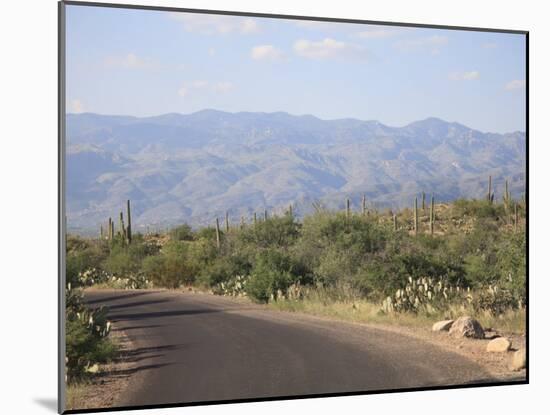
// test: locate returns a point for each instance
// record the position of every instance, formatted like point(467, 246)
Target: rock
point(443, 325)
point(467, 327)
point(518, 360)
point(499, 345)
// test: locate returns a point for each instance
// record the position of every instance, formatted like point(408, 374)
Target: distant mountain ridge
point(193, 167)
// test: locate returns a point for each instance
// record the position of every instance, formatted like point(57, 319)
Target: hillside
point(191, 168)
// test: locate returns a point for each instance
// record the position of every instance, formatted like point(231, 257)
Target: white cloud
point(266, 52)
point(464, 76)
point(432, 44)
point(211, 24)
point(313, 24)
point(129, 61)
point(515, 84)
point(377, 33)
point(183, 91)
point(328, 48)
point(249, 26)
point(222, 87)
point(76, 106)
point(199, 84)
point(192, 87)
point(325, 26)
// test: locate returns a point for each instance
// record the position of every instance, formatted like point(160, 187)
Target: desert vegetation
point(430, 261)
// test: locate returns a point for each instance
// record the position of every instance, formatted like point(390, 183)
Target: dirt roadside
point(105, 388)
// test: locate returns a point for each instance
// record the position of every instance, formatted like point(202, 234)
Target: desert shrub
point(75, 243)
point(121, 263)
point(182, 233)
point(494, 299)
point(140, 248)
point(477, 208)
point(275, 232)
point(273, 270)
point(81, 256)
point(208, 233)
point(335, 248)
point(171, 268)
point(337, 266)
point(125, 260)
point(407, 257)
point(511, 264)
point(87, 342)
point(322, 230)
point(223, 268)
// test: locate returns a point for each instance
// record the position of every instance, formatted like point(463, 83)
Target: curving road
point(196, 347)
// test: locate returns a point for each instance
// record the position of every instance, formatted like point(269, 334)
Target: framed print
point(256, 207)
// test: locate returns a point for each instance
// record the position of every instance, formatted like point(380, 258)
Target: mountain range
point(193, 168)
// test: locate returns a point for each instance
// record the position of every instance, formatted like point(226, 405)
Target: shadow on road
point(139, 359)
point(158, 314)
point(153, 349)
point(150, 326)
point(120, 297)
point(137, 304)
point(133, 370)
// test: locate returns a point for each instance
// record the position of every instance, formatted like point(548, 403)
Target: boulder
point(499, 345)
point(518, 360)
point(467, 327)
point(443, 325)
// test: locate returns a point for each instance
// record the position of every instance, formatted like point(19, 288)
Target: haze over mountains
point(191, 168)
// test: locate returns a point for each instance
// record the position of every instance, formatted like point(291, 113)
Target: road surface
point(189, 347)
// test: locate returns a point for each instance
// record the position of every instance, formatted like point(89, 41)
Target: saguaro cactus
point(129, 226)
point(364, 205)
point(347, 208)
point(122, 228)
point(516, 217)
point(290, 211)
point(489, 191)
point(416, 226)
point(394, 222)
point(265, 215)
point(255, 218)
point(423, 202)
point(226, 221)
point(110, 230)
point(506, 197)
point(432, 215)
point(218, 244)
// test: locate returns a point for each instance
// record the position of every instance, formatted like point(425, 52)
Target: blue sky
point(141, 63)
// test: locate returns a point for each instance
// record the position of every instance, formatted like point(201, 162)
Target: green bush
point(224, 268)
point(495, 300)
point(182, 233)
point(477, 208)
point(86, 339)
point(273, 270)
point(171, 268)
point(121, 263)
point(83, 255)
point(275, 232)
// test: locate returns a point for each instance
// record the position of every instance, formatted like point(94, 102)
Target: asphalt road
point(197, 347)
